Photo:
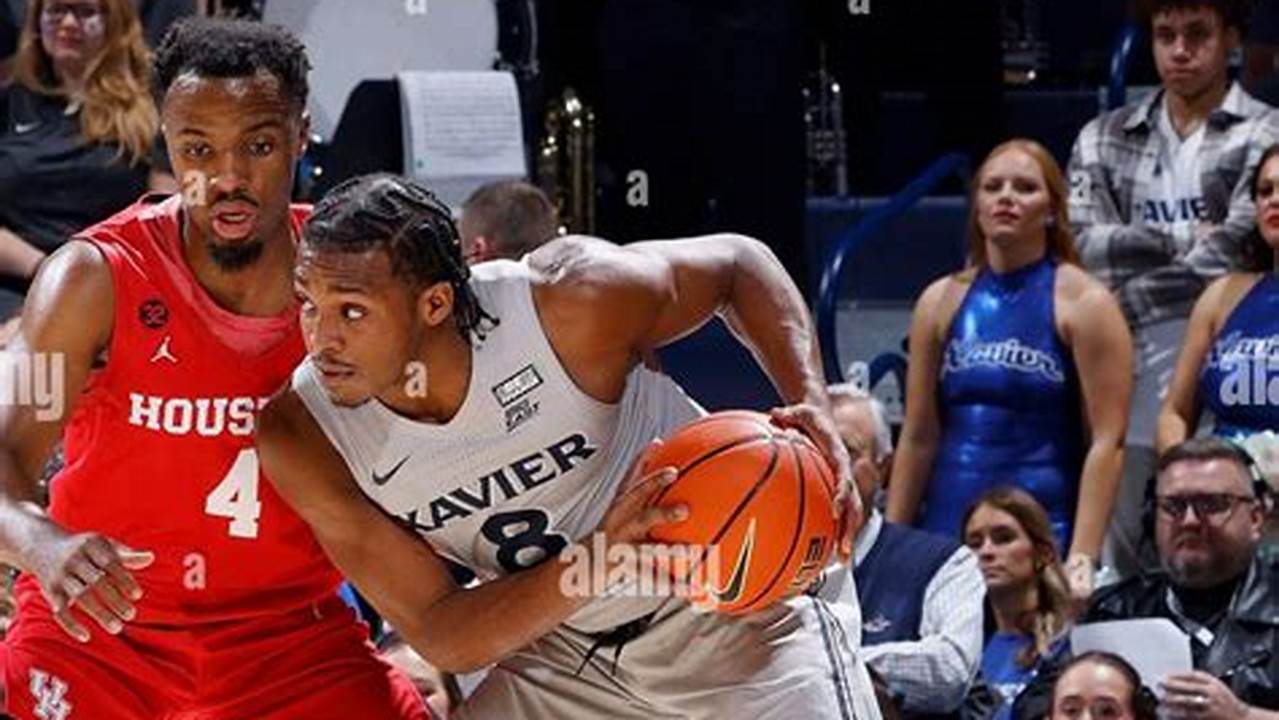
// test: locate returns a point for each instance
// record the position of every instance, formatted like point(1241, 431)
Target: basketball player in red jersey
point(166, 579)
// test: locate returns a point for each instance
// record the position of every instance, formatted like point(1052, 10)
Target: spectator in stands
point(1018, 370)
point(1161, 204)
point(1030, 604)
point(156, 17)
point(80, 139)
point(920, 594)
point(1208, 505)
point(1232, 339)
point(1101, 686)
point(506, 219)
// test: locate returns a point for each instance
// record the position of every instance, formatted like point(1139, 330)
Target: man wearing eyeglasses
point(1209, 504)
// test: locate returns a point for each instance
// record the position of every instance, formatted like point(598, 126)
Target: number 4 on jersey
point(236, 497)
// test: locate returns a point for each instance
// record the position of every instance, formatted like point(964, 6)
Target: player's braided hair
point(401, 216)
point(224, 48)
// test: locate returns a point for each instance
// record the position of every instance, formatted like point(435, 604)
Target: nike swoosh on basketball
point(381, 480)
point(732, 591)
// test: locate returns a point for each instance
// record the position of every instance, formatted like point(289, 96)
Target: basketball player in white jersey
point(451, 422)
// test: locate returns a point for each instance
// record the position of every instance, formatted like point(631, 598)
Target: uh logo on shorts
point(50, 695)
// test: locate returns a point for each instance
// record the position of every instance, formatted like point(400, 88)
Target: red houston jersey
point(159, 448)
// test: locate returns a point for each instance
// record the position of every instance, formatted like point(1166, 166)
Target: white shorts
point(793, 660)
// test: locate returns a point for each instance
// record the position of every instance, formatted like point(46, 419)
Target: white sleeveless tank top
point(528, 464)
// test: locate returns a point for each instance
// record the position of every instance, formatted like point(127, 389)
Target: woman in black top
point(80, 138)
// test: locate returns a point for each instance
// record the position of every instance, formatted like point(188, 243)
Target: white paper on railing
point(1153, 646)
point(461, 130)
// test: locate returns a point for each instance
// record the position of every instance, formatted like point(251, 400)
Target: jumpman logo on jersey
point(163, 352)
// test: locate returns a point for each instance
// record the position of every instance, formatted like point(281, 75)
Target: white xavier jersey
point(528, 464)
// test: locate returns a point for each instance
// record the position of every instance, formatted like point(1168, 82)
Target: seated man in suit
point(921, 594)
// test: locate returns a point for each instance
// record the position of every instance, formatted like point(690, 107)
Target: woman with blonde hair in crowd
point(79, 143)
point(1019, 370)
point(1030, 607)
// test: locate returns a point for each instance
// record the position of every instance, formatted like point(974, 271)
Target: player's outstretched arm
point(602, 304)
point(455, 629)
point(65, 324)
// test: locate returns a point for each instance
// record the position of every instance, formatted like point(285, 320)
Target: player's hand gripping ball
point(759, 498)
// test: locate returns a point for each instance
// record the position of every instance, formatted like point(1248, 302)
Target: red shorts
point(315, 662)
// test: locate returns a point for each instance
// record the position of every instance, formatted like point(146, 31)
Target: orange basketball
point(758, 496)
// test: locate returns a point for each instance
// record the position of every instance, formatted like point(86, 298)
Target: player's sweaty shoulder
point(585, 271)
point(571, 259)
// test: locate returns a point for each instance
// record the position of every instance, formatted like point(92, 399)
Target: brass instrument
point(566, 162)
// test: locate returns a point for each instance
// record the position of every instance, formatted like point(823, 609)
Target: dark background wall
point(701, 95)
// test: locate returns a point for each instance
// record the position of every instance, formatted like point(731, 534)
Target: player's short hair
point(1233, 13)
point(226, 48)
point(404, 218)
point(515, 216)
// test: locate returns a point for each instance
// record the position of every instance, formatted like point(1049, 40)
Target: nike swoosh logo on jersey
point(732, 591)
point(21, 128)
point(380, 480)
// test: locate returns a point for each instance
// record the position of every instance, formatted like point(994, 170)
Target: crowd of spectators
point(1086, 401)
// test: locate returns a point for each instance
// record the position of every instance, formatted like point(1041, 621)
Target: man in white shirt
point(921, 594)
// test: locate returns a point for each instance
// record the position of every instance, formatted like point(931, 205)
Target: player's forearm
point(767, 312)
point(473, 628)
point(455, 629)
point(24, 526)
point(1097, 487)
